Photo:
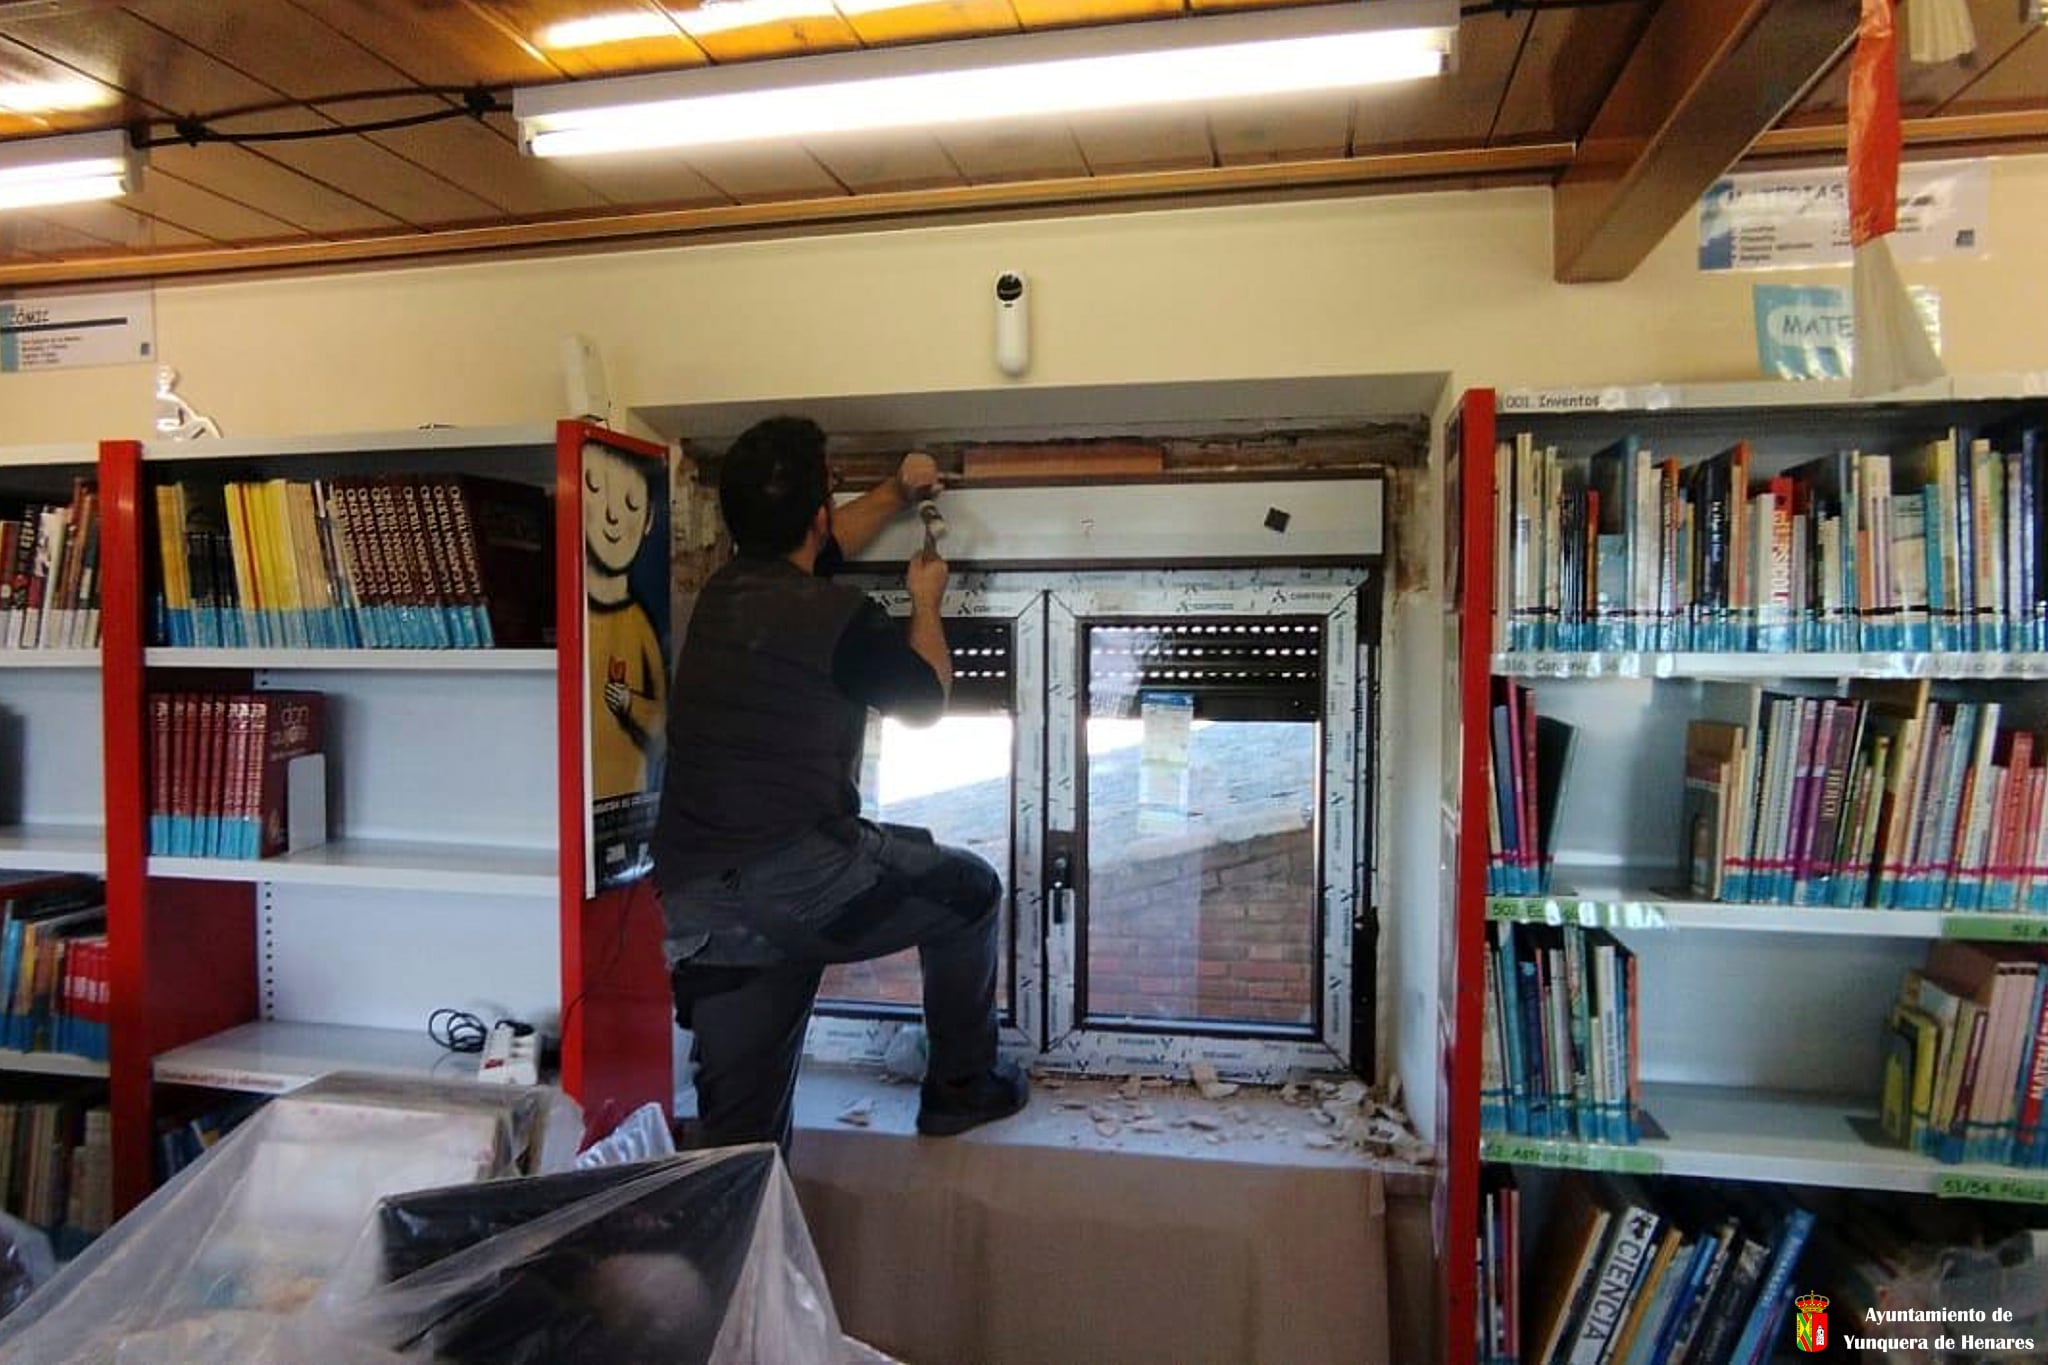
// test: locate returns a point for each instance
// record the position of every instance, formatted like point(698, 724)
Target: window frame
point(1045, 610)
point(1259, 1052)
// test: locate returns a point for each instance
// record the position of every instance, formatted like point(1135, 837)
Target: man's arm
point(927, 584)
point(856, 524)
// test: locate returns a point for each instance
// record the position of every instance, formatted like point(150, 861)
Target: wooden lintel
point(1952, 130)
point(1464, 168)
point(1707, 79)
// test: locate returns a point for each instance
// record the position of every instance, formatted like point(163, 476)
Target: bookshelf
point(1760, 1022)
point(453, 870)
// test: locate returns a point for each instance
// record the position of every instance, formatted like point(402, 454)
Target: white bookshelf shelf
point(1744, 667)
point(49, 658)
point(50, 1064)
point(1619, 900)
point(360, 660)
point(391, 865)
point(270, 1058)
point(53, 848)
point(1725, 1133)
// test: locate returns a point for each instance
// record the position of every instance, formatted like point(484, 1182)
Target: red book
point(159, 772)
point(288, 725)
point(206, 770)
point(184, 760)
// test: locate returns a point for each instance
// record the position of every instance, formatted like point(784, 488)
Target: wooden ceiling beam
point(1707, 78)
point(1454, 169)
point(1938, 131)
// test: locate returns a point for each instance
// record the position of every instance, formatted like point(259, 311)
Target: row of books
point(1558, 1053)
point(182, 1141)
point(1528, 756)
point(1966, 1056)
point(454, 561)
point(1882, 798)
point(56, 1159)
point(221, 768)
point(1942, 547)
point(1679, 1272)
point(50, 572)
point(1629, 1272)
point(55, 971)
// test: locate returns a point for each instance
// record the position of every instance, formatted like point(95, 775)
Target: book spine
point(457, 621)
point(159, 773)
point(413, 526)
point(397, 564)
point(1621, 1272)
point(1759, 1337)
point(2033, 1080)
point(206, 775)
point(185, 748)
point(341, 552)
point(1492, 1071)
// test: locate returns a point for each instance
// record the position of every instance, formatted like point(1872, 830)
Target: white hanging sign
point(56, 331)
point(1791, 220)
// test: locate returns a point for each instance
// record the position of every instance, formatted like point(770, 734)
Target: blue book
point(1775, 1295)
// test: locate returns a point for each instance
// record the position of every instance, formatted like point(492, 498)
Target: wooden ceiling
point(1528, 85)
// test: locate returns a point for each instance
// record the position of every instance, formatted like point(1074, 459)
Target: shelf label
point(2010, 1189)
point(1564, 911)
point(1997, 928)
point(1569, 1156)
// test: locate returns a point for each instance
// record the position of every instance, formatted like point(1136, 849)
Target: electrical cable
point(192, 131)
point(457, 1030)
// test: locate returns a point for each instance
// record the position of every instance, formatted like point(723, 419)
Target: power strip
point(511, 1055)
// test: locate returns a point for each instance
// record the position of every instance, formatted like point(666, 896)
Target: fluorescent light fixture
point(980, 80)
point(67, 170)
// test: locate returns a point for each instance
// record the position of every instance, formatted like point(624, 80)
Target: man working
point(768, 874)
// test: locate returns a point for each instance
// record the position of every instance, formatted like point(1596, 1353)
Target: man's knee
point(965, 883)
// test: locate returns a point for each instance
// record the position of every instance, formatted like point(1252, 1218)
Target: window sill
point(1254, 1127)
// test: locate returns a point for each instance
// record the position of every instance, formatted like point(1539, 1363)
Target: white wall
point(1458, 283)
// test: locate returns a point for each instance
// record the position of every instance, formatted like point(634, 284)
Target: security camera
point(1013, 324)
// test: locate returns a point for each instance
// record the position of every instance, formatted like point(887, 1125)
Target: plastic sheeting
point(364, 1221)
point(242, 1239)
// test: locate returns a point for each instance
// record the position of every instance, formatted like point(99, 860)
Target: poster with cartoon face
point(626, 635)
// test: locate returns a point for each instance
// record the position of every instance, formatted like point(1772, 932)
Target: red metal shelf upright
point(616, 1024)
point(1469, 551)
point(183, 952)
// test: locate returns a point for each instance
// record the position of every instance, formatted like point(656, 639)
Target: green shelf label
point(1569, 1156)
point(1997, 928)
point(2010, 1189)
point(1563, 910)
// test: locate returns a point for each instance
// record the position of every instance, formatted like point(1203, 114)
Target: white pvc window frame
point(1047, 612)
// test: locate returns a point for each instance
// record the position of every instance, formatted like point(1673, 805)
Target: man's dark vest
point(762, 746)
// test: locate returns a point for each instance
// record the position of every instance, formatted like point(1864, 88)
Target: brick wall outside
point(1216, 921)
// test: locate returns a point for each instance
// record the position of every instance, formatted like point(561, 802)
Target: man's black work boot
point(951, 1107)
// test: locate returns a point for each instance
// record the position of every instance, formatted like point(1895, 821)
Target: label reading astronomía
point(1569, 1156)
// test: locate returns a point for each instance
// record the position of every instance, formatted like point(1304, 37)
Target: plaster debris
point(1351, 1092)
point(1131, 1089)
point(1051, 1083)
point(1324, 1116)
point(1216, 1139)
point(859, 1114)
point(1203, 1122)
point(1074, 1104)
point(1293, 1094)
point(1141, 1111)
point(1108, 1127)
point(1209, 1084)
point(1101, 1116)
point(1237, 1113)
point(1322, 1142)
point(1148, 1126)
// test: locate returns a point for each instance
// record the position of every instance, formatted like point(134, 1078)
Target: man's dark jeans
point(757, 940)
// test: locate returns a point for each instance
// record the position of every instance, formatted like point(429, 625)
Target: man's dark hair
point(772, 482)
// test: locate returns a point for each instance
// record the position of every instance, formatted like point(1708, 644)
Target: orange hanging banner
point(1874, 132)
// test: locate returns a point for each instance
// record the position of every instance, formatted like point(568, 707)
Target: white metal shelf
point(360, 660)
point(1708, 666)
point(424, 439)
point(391, 865)
point(50, 1064)
point(54, 848)
point(1727, 1133)
point(31, 457)
point(1607, 898)
point(270, 1058)
point(49, 658)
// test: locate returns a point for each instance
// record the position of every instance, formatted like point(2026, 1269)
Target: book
point(222, 781)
